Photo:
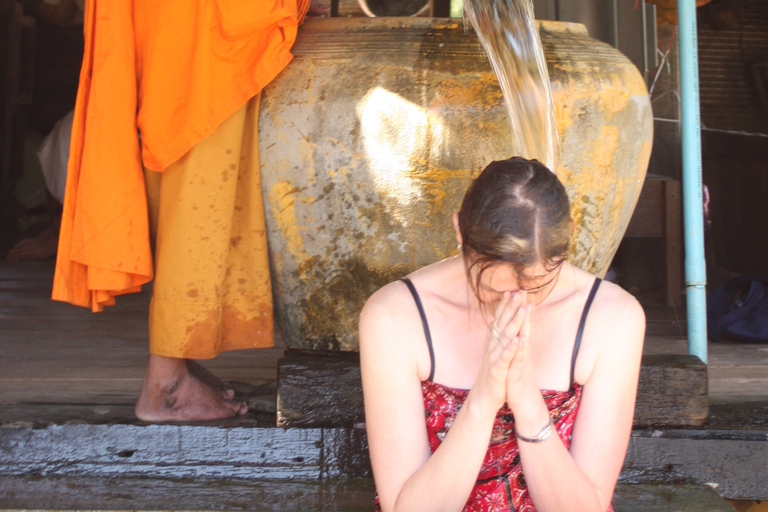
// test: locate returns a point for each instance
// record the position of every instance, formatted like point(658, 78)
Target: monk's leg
point(170, 392)
point(173, 389)
point(211, 290)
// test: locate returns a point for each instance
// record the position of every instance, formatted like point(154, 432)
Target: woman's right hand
point(501, 344)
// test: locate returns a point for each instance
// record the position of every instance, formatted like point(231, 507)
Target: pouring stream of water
point(508, 33)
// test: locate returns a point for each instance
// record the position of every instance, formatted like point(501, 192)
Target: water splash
point(507, 31)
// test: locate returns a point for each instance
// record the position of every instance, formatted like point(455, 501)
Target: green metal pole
point(693, 218)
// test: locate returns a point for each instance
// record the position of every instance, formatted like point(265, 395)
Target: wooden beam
point(178, 452)
point(326, 391)
point(319, 390)
point(672, 392)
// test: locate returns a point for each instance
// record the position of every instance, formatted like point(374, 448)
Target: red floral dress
point(500, 484)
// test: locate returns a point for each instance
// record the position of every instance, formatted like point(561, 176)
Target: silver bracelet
point(542, 436)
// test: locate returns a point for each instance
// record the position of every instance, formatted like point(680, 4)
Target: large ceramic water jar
point(370, 137)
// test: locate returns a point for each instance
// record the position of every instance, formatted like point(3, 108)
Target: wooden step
point(668, 498)
point(123, 494)
point(350, 495)
point(732, 459)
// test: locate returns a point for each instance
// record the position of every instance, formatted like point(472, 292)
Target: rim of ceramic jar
point(421, 12)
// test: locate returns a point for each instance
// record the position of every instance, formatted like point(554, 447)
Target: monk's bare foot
point(317, 9)
point(171, 393)
point(209, 379)
point(37, 248)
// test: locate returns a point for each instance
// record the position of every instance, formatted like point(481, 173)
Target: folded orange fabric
point(171, 71)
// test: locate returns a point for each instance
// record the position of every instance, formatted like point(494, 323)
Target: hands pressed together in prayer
point(506, 374)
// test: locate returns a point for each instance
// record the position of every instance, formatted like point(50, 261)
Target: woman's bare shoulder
point(389, 332)
point(611, 302)
point(389, 316)
point(617, 326)
point(384, 302)
point(394, 299)
point(619, 307)
point(615, 315)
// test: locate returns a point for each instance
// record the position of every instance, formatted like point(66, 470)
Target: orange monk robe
point(172, 70)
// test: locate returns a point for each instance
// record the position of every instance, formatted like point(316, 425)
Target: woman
point(499, 348)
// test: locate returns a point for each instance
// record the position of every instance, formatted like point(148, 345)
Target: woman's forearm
point(554, 480)
point(446, 480)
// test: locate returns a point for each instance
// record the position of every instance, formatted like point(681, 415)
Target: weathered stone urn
point(370, 137)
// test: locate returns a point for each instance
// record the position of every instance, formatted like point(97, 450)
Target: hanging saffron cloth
point(170, 71)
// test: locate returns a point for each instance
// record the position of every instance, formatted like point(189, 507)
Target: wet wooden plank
point(57, 493)
point(92, 493)
point(28, 415)
point(744, 416)
point(325, 391)
point(672, 391)
point(668, 498)
point(732, 462)
point(319, 391)
point(184, 451)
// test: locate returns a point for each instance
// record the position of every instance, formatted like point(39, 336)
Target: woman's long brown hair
point(517, 212)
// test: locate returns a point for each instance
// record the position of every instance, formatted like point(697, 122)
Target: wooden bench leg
point(672, 242)
point(440, 9)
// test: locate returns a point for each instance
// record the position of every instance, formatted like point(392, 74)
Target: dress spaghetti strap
point(424, 324)
point(582, 322)
point(428, 335)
